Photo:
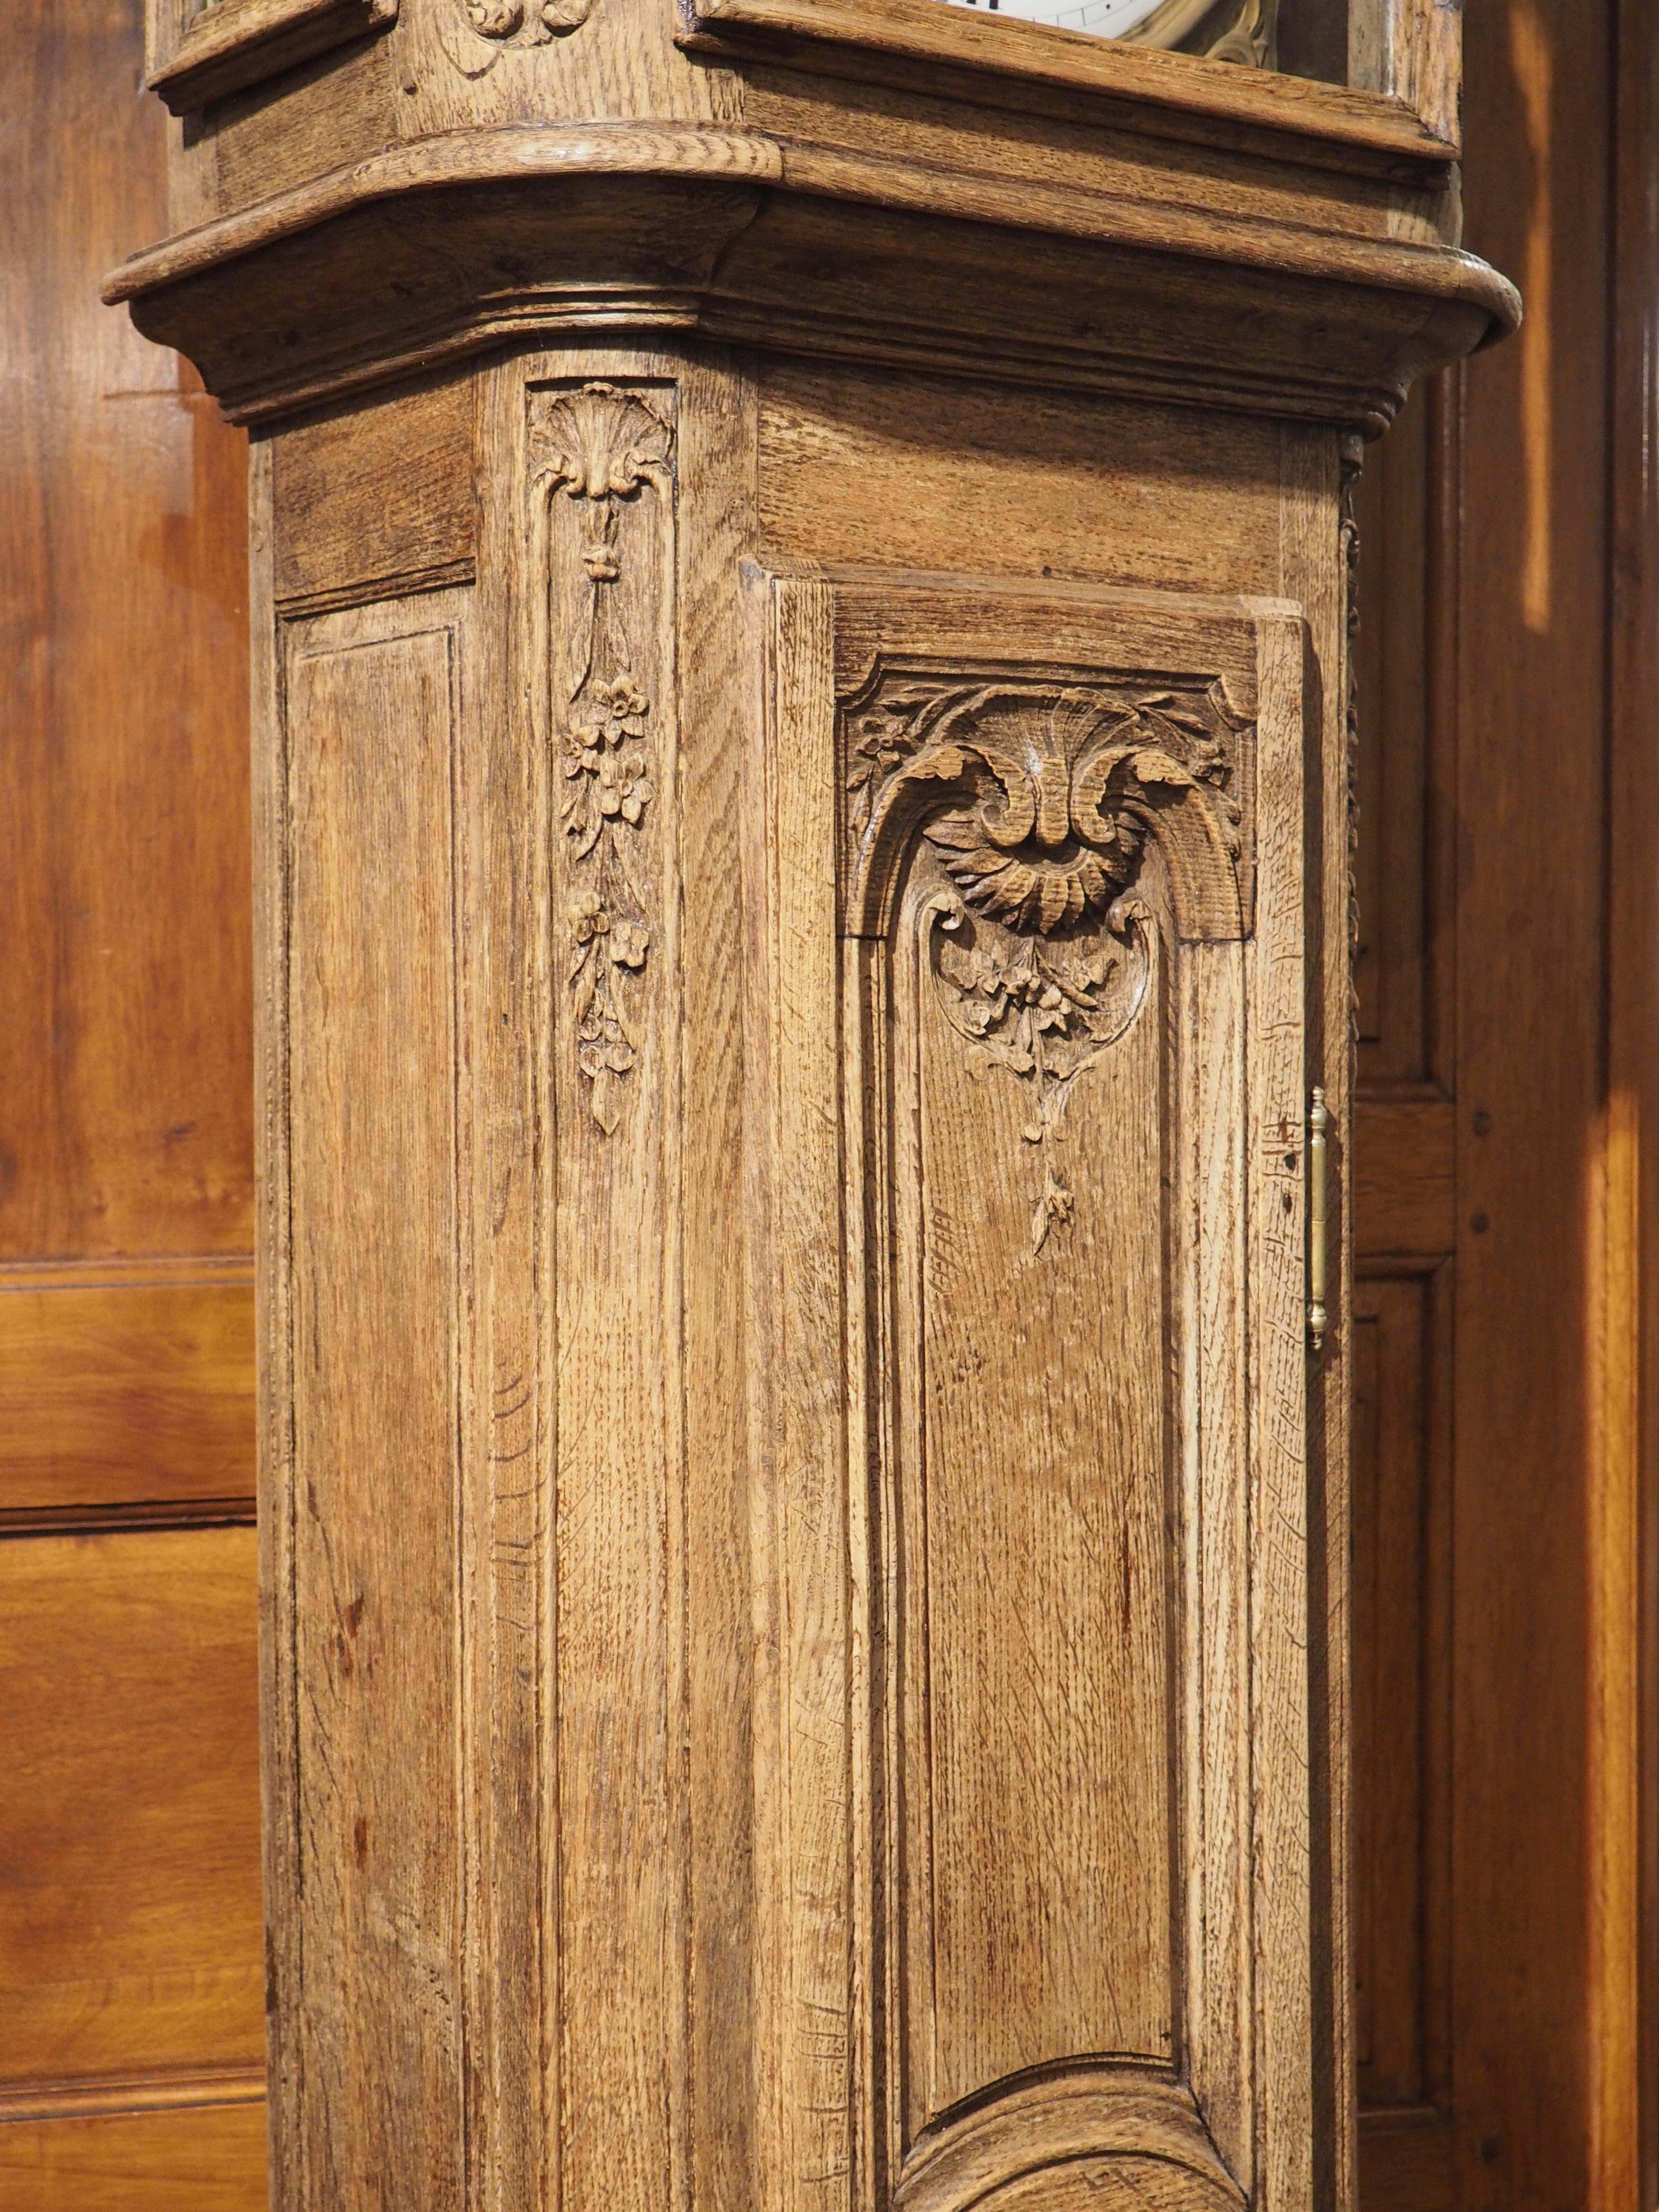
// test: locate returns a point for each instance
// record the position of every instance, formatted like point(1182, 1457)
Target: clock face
point(1107, 19)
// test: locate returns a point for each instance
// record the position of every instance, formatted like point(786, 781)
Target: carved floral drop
point(598, 447)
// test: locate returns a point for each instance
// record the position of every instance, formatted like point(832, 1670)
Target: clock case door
point(1032, 1549)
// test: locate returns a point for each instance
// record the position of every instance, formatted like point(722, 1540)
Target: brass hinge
point(1318, 1123)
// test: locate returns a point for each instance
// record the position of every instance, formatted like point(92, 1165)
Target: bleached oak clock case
point(801, 597)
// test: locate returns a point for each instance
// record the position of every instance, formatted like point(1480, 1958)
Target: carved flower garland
point(604, 761)
point(1043, 1015)
point(600, 445)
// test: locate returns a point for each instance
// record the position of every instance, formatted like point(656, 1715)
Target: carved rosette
point(1037, 801)
point(597, 448)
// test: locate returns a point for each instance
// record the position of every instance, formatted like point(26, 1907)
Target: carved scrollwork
point(1036, 799)
point(600, 446)
point(1039, 797)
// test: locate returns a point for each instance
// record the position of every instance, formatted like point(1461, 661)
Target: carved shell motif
point(1038, 798)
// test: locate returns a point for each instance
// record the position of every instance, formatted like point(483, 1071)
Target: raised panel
point(372, 1500)
point(1039, 1844)
point(1033, 1930)
point(130, 1905)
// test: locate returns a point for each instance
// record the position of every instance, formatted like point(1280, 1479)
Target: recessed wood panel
point(1042, 1846)
point(123, 1386)
point(1401, 1706)
point(1402, 1173)
point(131, 1927)
point(372, 705)
point(212, 2159)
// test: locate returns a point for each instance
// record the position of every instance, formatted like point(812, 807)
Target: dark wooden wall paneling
point(1504, 1195)
point(131, 1957)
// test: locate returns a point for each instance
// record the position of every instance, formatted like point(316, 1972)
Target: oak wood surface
point(913, 30)
point(199, 53)
point(801, 889)
point(371, 990)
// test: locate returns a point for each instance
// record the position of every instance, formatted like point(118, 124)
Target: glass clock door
point(1242, 31)
point(1109, 19)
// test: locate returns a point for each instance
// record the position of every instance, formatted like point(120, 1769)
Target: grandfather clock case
point(801, 577)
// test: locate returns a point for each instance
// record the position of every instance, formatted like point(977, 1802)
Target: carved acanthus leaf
point(601, 446)
point(1035, 797)
point(1038, 797)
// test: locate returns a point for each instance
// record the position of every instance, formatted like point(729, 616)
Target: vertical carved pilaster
point(599, 471)
point(601, 447)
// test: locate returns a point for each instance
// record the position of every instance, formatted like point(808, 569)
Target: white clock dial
point(1107, 19)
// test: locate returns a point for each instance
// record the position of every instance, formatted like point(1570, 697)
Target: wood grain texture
point(199, 53)
point(373, 703)
point(125, 1385)
point(125, 800)
point(914, 31)
point(211, 2160)
point(1405, 1176)
point(132, 1924)
point(371, 502)
point(1042, 1489)
point(807, 1625)
point(601, 474)
point(1184, 235)
point(1006, 1405)
point(131, 1929)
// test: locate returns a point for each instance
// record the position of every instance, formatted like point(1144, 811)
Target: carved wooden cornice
point(1215, 236)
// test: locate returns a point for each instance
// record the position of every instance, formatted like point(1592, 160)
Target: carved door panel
point(1035, 1551)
